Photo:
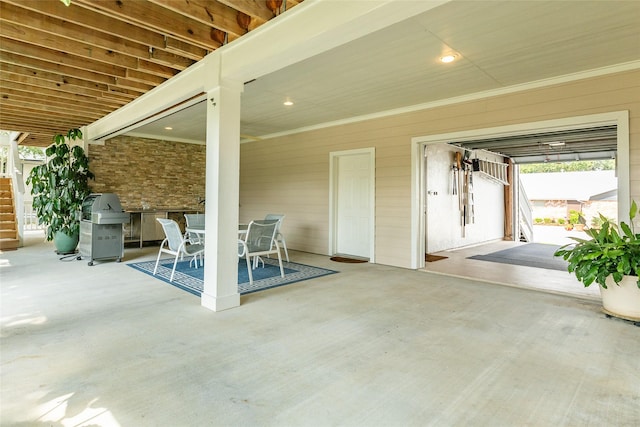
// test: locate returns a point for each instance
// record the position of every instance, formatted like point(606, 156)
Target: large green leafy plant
point(612, 251)
point(60, 185)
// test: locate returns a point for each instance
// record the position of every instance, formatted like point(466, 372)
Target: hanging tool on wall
point(465, 200)
point(471, 201)
point(460, 180)
point(454, 177)
point(458, 166)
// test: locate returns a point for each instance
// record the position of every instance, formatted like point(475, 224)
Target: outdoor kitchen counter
point(143, 227)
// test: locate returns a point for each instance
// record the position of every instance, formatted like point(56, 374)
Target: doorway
point(352, 188)
point(419, 221)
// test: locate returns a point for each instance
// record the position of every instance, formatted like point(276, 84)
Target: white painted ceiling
point(500, 44)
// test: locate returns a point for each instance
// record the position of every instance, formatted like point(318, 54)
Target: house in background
point(553, 195)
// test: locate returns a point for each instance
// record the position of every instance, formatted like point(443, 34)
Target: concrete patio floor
point(371, 346)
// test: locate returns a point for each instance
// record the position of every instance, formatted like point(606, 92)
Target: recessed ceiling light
point(448, 58)
point(556, 144)
point(168, 128)
point(287, 103)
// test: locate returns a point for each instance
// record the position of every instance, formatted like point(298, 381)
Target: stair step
point(6, 209)
point(8, 234)
point(9, 244)
point(7, 216)
point(8, 226)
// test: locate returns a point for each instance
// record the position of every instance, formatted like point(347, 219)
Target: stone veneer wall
point(160, 173)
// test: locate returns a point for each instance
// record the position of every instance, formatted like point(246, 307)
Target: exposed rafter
point(63, 67)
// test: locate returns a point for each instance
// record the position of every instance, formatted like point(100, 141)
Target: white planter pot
point(622, 301)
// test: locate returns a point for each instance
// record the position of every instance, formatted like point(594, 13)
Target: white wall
point(444, 219)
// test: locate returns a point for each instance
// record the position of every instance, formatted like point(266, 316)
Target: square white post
point(222, 197)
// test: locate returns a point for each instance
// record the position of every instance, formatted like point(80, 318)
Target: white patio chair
point(259, 240)
point(177, 245)
point(279, 235)
point(196, 221)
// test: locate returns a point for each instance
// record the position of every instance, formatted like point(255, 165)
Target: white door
point(354, 206)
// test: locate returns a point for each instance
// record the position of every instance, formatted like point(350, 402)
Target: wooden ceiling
point(64, 67)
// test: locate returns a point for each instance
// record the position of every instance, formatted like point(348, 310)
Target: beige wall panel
point(390, 172)
point(391, 137)
point(390, 210)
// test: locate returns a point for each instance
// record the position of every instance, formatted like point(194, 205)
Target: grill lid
point(103, 208)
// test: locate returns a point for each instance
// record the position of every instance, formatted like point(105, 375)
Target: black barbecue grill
point(101, 222)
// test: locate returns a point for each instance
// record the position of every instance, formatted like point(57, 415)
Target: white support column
point(222, 197)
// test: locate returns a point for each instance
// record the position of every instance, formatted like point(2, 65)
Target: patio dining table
point(200, 229)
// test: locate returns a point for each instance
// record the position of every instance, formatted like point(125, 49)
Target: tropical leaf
point(613, 250)
point(59, 186)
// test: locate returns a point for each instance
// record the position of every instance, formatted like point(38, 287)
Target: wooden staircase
point(8, 224)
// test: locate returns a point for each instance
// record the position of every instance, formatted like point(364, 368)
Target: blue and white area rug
point(190, 279)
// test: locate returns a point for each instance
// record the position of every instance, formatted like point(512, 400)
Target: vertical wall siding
point(290, 174)
point(444, 217)
point(160, 173)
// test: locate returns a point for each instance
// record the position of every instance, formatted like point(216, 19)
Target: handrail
point(525, 213)
point(18, 178)
point(5, 164)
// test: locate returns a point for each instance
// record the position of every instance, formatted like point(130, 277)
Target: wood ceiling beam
point(132, 85)
point(121, 92)
point(64, 67)
point(19, 121)
point(34, 141)
point(144, 77)
point(61, 103)
point(156, 69)
point(185, 49)
point(93, 20)
point(156, 18)
point(116, 97)
point(60, 75)
point(72, 32)
point(168, 59)
point(75, 95)
point(54, 80)
point(26, 49)
point(21, 137)
point(63, 121)
point(61, 44)
point(257, 9)
point(36, 137)
point(208, 12)
point(54, 108)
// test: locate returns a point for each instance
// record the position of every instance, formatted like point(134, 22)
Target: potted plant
point(576, 220)
point(611, 258)
point(58, 187)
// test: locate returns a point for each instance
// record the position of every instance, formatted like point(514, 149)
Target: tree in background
point(575, 166)
point(31, 153)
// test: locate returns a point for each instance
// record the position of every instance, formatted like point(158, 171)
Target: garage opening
point(556, 198)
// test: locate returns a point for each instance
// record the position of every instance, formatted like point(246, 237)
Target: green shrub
point(576, 217)
point(547, 220)
point(561, 221)
point(538, 220)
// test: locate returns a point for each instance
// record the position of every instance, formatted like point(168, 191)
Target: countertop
point(159, 209)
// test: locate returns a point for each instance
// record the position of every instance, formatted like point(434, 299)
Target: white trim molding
point(618, 118)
